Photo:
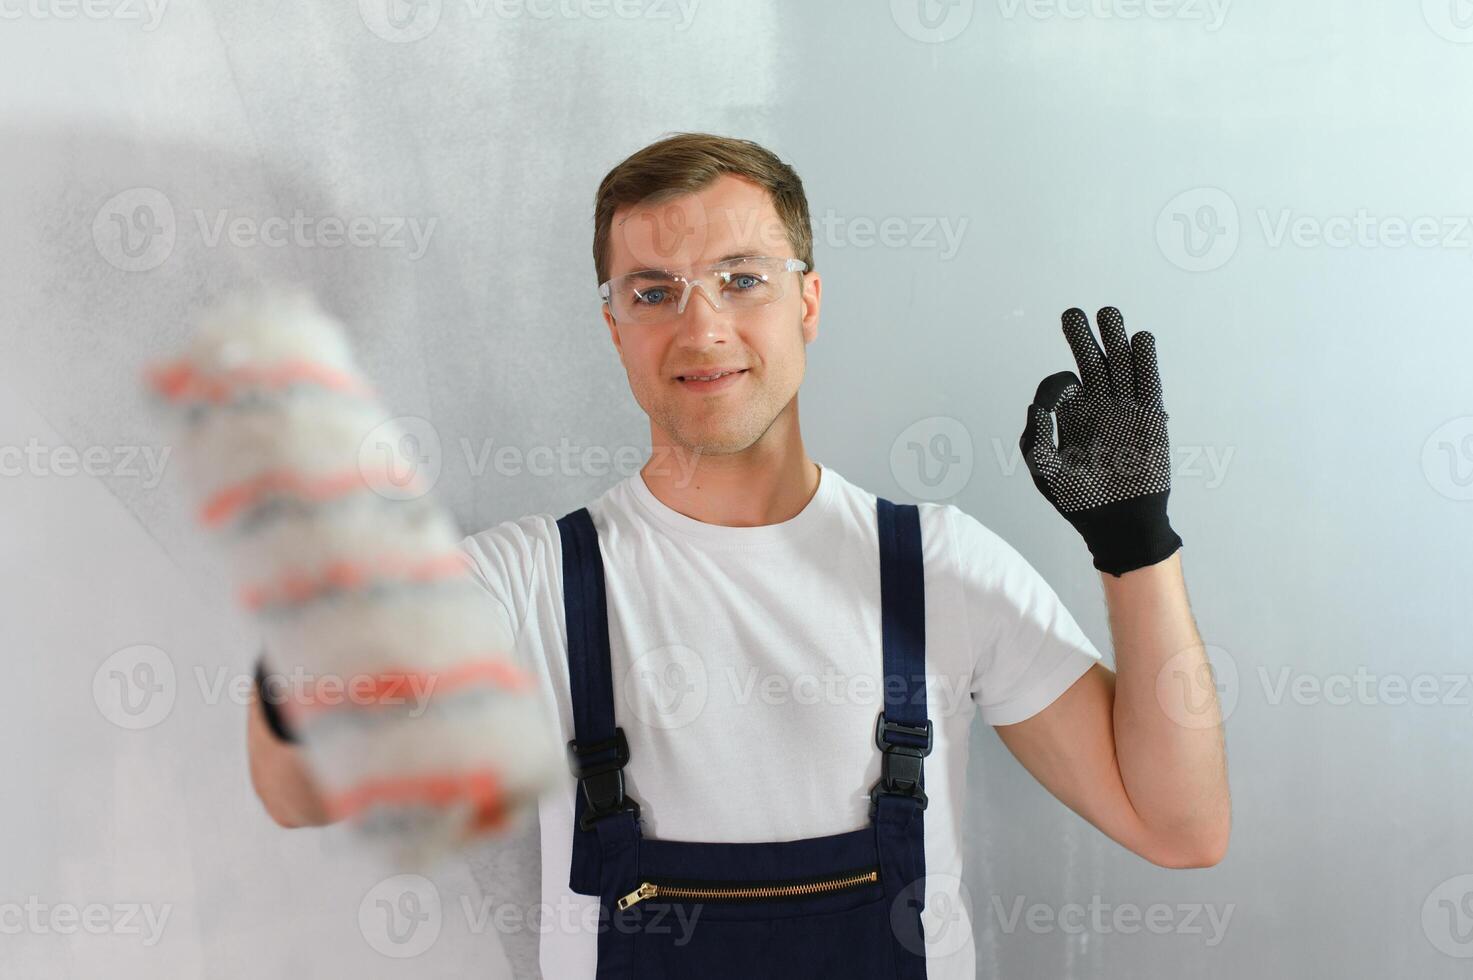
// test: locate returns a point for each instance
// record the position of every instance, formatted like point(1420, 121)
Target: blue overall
point(845, 905)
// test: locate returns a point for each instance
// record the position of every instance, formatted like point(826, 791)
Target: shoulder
point(531, 540)
point(983, 552)
point(519, 537)
point(954, 537)
point(983, 563)
point(942, 524)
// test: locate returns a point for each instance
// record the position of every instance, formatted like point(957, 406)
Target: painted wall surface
point(1279, 192)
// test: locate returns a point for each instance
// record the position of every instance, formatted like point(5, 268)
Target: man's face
point(730, 217)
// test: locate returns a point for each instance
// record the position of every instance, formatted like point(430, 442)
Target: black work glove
point(1110, 473)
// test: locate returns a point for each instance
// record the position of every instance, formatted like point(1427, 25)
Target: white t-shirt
point(747, 670)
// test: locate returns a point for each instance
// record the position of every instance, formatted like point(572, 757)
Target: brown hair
point(683, 163)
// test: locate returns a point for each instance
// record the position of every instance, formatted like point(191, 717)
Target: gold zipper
point(650, 889)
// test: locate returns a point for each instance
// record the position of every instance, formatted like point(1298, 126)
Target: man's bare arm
point(280, 776)
point(1148, 769)
point(1168, 723)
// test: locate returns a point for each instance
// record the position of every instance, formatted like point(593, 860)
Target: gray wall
point(1318, 387)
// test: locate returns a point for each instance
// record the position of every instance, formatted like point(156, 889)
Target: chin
point(714, 443)
point(714, 447)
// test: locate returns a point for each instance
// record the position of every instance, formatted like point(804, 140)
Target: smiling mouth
point(707, 379)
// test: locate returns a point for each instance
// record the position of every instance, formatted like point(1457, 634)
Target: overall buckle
point(602, 782)
point(902, 772)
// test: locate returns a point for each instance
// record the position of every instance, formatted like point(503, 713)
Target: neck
point(767, 483)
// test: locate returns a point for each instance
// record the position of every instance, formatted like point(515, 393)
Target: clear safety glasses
point(653, 296)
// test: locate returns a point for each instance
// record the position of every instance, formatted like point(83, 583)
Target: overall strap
point(903, 733)
point(902, 730)
point(598, 751)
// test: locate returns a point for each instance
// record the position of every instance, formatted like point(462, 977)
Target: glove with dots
point(1110, 472)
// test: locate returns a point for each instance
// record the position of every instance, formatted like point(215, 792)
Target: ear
point(613, 331)
point(812, 294)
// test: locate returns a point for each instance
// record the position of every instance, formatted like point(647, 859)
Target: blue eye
point(649, 297)
point(751, 281)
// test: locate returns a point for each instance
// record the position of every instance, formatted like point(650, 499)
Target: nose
point(701, 323)
point(712, 300)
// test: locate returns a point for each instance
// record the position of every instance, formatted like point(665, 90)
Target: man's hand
point(1110, 472)
point(280, 775)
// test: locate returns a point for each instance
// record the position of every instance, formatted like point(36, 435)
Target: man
point(744, 601)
